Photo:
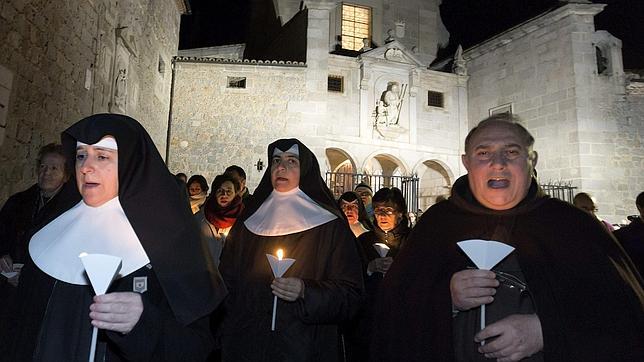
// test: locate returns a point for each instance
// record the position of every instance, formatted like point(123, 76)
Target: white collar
point(104, 230)
point(287, 213)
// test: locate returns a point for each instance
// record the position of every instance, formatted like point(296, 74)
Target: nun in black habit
point(158, 307)
point(292, 210)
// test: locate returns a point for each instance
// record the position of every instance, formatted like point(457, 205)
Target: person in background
point(587, 203)
point(219, 213)
point(293, 210)
point(351, 204)
point(22, 210)
point(158, 306)
point(567, 292)
point(240, 175)
point(390, 231)
point(366, 193)
point(631, 236)
point(198, 190)
point(182, 176)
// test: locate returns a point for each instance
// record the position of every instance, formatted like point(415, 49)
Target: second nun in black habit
point(158, 307)
point(292, 210)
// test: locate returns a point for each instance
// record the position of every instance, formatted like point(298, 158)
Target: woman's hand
point(288, 288)
point(117, 312)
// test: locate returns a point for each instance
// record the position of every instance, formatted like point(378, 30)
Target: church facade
point(367, 101)
point(358, 82)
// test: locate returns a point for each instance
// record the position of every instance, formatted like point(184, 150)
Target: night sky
point(218, 22)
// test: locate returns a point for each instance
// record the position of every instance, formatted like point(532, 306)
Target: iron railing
point(340, 182)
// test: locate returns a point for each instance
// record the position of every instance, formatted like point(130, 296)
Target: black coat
point(587, 297)
point(631, 237)
point(359, 330)
point(17, 217)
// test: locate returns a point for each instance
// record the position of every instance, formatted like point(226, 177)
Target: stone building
point(369, 98)
point(357, 81)
point(63, 60)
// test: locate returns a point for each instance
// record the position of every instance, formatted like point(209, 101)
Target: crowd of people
point(290, 273)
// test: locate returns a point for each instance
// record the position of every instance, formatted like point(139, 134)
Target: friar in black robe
point(307, 225)
point(577, 279)
point(179, 287)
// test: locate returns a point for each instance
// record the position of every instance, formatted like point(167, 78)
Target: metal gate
point(339, 183)
point(562, 190)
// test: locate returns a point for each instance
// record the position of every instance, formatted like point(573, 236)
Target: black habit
point(326, 260)
point(586, 295)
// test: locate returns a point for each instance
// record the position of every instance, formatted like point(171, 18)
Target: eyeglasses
point(384, 211)
point(510, 281)
point(222, 192)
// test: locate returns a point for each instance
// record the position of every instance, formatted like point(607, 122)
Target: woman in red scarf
point(219, 213)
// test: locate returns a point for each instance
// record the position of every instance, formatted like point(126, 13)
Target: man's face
point(51, 173)
point(285, 172)
point(365, 194)
point(499, 166)
point(238, 178)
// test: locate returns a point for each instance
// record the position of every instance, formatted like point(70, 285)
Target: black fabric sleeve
point(158, 336)
point(336, 298)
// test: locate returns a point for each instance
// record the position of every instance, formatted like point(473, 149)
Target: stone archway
point(342, 171)
point(435, 181)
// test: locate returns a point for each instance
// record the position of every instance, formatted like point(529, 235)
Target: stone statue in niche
point(388, 107)
point(459, 67)
point(390, 36)
point(120, 90)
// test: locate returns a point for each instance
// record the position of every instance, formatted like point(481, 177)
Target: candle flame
point(280, 254)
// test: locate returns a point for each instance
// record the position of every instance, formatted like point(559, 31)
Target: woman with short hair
point(197, 190)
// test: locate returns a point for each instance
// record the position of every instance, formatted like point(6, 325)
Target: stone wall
point(546, 71)
point(214, 126)
point(63, 59)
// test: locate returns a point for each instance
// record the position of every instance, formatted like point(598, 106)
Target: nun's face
point(351, 209)
point(285, 172)
point(97, 174)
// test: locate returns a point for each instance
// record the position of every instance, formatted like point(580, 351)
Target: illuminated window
point(355, 26)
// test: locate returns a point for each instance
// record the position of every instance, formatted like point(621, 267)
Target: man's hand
point(117, 312)
point(517, 336)
point(380, 265)
point(288, 289)
point(471, 288)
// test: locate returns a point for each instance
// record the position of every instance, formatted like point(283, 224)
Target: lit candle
point(280, 254)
